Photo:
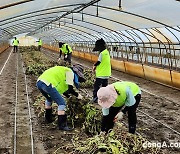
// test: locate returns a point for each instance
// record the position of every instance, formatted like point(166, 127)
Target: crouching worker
point(53, 83)
point(113, 97)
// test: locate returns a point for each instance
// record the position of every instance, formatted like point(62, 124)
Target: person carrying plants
point(66, 50)
point(53, 83)
point(15, 44)
point(113, 97)
point(102, 67)
point(39, 44)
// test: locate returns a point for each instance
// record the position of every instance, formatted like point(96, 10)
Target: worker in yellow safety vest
point(102, 67)
point(15, 44)
point(66, 50)
point(53, 83)
point(39, 44)
point(113, 97)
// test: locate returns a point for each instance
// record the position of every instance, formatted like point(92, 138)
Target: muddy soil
point(164, 106)
point(48, 139)
point(8, 101)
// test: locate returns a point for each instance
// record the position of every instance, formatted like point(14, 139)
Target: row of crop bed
point(82, 115)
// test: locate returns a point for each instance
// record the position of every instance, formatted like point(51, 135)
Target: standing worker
point(102, 67)
point(39, 44)
point(113, 97)
point(66, 50)
point(15, 44)
point(53, 83)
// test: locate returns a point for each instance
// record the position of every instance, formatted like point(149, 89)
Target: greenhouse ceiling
point(88, 20)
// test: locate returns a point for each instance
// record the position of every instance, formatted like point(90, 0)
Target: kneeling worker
point(53, 83)
point(113, 97)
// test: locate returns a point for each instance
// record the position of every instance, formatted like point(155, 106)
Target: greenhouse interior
point(90, 76)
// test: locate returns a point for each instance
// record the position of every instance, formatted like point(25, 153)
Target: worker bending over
point(113, 97)
point(53, 83)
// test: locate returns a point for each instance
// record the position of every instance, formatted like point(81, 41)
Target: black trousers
point(39, 47)
point(15, 48)
point(98, 83)
point(68, 59)
point(132, 118)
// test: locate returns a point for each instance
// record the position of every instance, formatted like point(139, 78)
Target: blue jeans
point(51, 94)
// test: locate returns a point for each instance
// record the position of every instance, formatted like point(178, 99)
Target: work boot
point(62, 123)
point(95, 100)
point(48, 115)
point(132, 129)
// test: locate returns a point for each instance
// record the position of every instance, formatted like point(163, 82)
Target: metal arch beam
point(64, 6)
point(173, 34)
point(77, 36)
point(128, 26)
point(68, 31)
point(77, 9)
point(25, 23)
point(103, 27)
point(158, 44)
point(137, 15)
point(125, 25)
point(8, 33)
point(18, 27)
point(158, 31)
point(79, 30)
point(69, 36)
point(14, 4)
point(140, 37)
point(90, 34)
point(86, 27)
point(31, 17)
point(134, 34)
point(65, 33)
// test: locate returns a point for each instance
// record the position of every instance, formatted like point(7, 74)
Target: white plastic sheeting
point(87, 20)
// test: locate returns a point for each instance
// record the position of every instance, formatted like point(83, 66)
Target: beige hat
point(107, 96)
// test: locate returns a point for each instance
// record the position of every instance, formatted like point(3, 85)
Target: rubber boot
point(48, 115)
point(62, 123)
point(132, 129)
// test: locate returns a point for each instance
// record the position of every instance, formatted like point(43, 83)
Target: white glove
point(79, 96)
point(65, 56)
point(119, 116)
point(59, 59)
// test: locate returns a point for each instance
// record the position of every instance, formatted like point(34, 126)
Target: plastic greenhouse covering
point(87, 20)
point(145, 26)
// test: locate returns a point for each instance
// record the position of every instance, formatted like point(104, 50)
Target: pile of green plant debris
point(90, 79)
point(87, 118)
point(36, 62)
point(80, 113)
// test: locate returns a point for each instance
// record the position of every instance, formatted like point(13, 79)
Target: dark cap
point(60, 44)
point(99, 45)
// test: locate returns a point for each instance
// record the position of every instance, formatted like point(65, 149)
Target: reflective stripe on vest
point(121, 90)
point(57, 77)
point(15, 42)
point(64, 50)
point(104, 68)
